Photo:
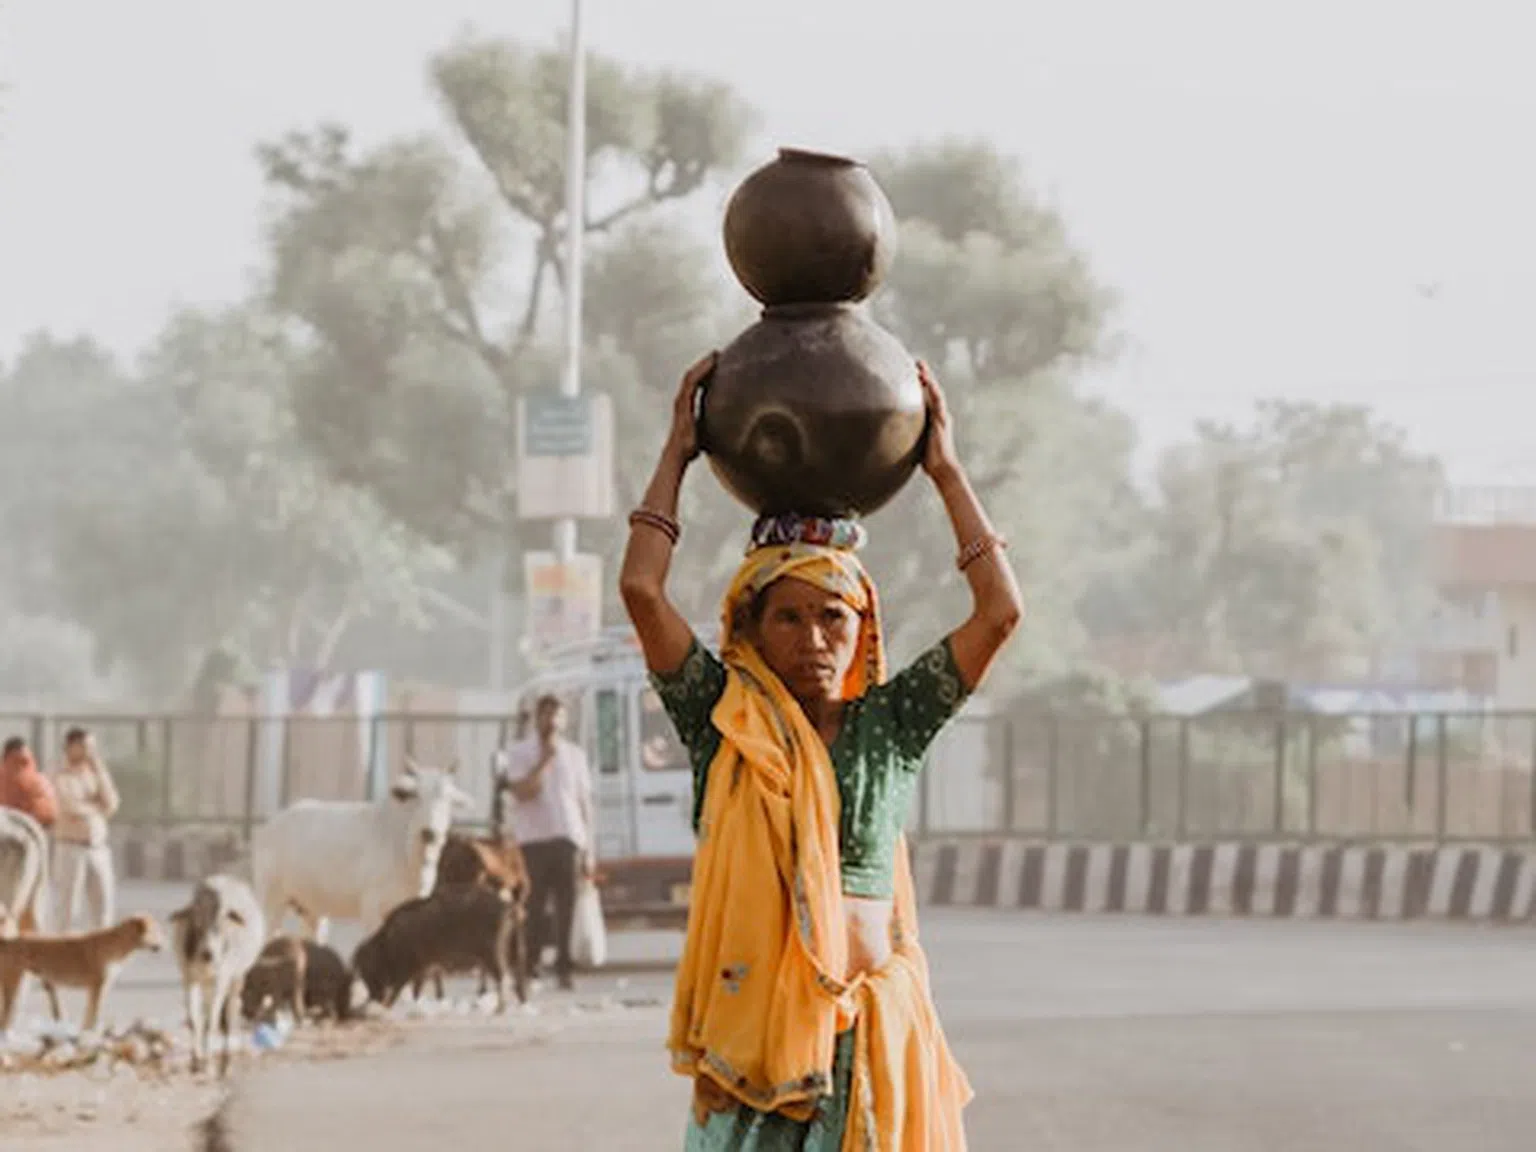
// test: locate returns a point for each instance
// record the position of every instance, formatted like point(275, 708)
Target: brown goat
point(484, 860)
point(495, 863)
point(458, 927)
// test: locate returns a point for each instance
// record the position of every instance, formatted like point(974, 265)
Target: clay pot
point(815, 410)
point(808, 228)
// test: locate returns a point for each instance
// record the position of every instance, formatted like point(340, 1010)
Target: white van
point(641, 777)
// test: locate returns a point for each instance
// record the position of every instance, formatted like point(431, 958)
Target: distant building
point(1482, 638)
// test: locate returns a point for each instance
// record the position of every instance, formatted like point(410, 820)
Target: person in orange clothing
point(23, 786)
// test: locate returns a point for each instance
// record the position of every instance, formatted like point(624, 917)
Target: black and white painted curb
point(1379, 881)
point(1366, 882)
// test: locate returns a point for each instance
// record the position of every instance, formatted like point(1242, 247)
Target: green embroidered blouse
point(875, 757)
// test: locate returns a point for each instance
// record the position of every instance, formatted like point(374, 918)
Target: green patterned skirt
point(748, 1130)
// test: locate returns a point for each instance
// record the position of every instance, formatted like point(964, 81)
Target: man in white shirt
point(551, 818)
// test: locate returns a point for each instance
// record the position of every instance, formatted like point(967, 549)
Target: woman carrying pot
point(802, 988)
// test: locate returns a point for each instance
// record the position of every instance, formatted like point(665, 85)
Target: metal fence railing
point(1254, 775)
point(233, 772)
point(1439, 776)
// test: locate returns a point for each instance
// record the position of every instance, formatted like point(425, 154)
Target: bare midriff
point(869, 933)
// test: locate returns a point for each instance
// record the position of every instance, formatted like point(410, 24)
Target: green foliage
point(174, 509)
point(408, 248)
point(378, 262)
point(325, 453)
point(314, 554)
point(81, 440)
point(990, 289)
point(1292, 548)
point(398, 266)
point(45, 657)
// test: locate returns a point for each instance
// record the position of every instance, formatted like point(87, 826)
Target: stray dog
point(308, 978)
point(89, 960)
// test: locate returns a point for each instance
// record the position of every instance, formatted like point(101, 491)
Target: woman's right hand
point(683, 439)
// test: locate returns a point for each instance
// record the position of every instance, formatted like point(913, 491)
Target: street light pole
point(575, 222)
point(564, 531)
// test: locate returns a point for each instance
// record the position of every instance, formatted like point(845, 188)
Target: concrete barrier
point(1346, 881)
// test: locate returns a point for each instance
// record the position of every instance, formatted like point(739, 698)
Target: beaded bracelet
point(978, 548)
point(660, 521)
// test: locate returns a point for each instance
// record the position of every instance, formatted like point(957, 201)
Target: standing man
point(501, 784)
point(551, 788)
point(23, 786)
point(87, 800)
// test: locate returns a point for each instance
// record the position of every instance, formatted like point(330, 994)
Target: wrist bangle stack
point(660, 521)
point(978, 548)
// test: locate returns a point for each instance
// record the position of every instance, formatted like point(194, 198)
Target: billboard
point(564, 455)
point(564, 600)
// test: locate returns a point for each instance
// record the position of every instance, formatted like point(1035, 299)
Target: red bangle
point(978, 548)
point(660, 521)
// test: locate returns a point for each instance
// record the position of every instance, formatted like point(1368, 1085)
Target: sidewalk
point(589, 1077)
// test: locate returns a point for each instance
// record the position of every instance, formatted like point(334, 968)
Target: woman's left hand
point(939, 454)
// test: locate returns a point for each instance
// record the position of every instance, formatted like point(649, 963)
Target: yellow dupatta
point(762, 988)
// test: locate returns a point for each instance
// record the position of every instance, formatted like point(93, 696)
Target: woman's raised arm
point(996, 603)
point(665, 637)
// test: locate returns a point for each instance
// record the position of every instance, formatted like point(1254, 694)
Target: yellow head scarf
point(763, 986)
point(833, 570)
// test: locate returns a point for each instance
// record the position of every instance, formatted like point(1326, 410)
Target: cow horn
point(411, 767)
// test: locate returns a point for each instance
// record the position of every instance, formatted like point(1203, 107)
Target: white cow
point(24, 870)
point(218, 937)
point(355, 861)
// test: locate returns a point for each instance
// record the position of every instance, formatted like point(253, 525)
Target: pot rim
point(811, 156)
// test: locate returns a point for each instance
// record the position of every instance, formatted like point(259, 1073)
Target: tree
point(366, 254)
point(397, 265)
point(79, 437)
point(46, 658)
point(989, 288)
point(653, 137)
point(70, 424)
point(1288, 548)
point(172, 511)
point(317, 555)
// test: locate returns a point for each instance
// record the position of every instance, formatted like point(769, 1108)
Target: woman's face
point(808, 637)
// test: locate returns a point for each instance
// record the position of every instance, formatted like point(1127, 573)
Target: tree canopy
point(1292, 547)
point(339, 447)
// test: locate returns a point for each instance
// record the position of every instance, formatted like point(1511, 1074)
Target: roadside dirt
point(146, 1104)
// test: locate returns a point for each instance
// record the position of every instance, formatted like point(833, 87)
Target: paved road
point(1095, 1035)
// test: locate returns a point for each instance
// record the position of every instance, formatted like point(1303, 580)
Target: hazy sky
point(1273, 195)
